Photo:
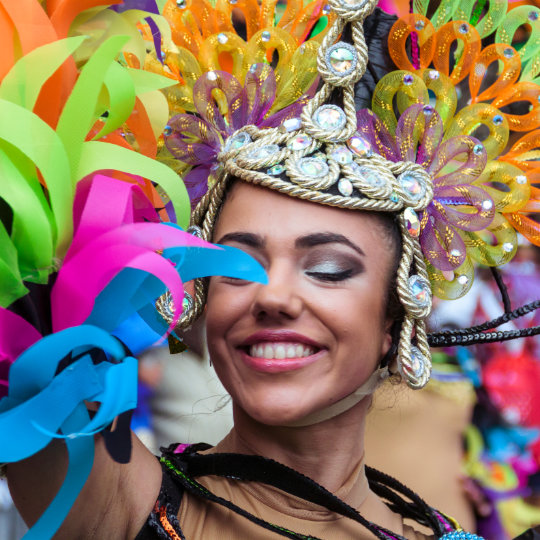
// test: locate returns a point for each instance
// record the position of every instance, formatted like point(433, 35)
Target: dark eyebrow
point(248, 239)
point(317, 239)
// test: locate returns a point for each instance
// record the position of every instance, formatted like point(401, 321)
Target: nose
point(280, 298)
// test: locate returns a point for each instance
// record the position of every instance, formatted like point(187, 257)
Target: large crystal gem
point(237, 141)
point(341, 155)
point(360, 146)
point(345, 187)
point(412, 222)
point(341, 58)
point(418, 362)
point(412, 184)
point(330, 117)
point(300, 142)
point(313, 167)
point(264, 151)
point(292, 124)
point(420, 291)
point(370, 176)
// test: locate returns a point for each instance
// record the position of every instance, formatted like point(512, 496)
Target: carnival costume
point(238, 118)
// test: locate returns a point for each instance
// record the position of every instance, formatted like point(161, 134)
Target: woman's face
point(318, 330)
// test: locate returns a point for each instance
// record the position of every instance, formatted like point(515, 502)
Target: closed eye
point(331, 276)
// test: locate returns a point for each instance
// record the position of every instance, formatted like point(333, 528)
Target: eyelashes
point(332, 276)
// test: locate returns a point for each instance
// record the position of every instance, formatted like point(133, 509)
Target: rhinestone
point(302, 48)
point(167, 130)
point(408, 79)
point(330, 117)
point(508, 52)
point(264, 152)
point(463, 28)
point(487, 205)
point(236, 141)
point(360, 146)
point(265, 36)
point(211, 75)
point(419, 25)
point(326, 9)
point(222, 38)
point(369, 176)
point(498, 119)
point(478, 149)
point(428, 110)
point(292, 124)
point(463, 279)
point(521, 179)
point(434, 75)
point(253, 68)
point(412, 222)
point(313, 167)
point(455, 253)
point(345, 187)
point(394, 197)
point(233, 2)
point(276, 170)
point(533, 15)
point(300, 142)
point(418, 362)
point(341, 58)
point(413, 185)
point(341, 155)
point(420, 291)
point(508, 247)
point(181, 4)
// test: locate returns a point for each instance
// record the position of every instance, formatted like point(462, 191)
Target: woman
point(302, 355)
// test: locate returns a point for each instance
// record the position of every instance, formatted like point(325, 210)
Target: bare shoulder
point(412, 534)
point(113, 504)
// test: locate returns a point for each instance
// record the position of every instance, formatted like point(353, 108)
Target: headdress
point(458, 199)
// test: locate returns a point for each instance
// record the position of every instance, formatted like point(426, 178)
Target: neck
point(326, 452)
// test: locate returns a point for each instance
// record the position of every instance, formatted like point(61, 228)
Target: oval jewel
point(313, 167)
point(412, 222)
point(237, 141)
point(341, 155)
point(264, 151)
point(360, 146)
point(330, 117)
point(300, 142)
point(418, 362)
point(413, 185)
point(420, 291)
point(345, 187)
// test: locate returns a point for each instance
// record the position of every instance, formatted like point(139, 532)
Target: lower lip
point(279, 365)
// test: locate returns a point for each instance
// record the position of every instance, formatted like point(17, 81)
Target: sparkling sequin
point(420, 25)
point(326, 9)
point(462, 279)
point(508, 52)
point(345, 187)
point(455, 253)
point(413, 185)
point(237, 141)
point(313, 167)
point(394, 197)
point(292, 124)
point(521, 179)
point(487, 205)
point(360, 146)
point(412, 222)
point(167, 130)
point(181, 4)
point(300, 142)
point(478, 149)
point(276, 170)
point(508, 247)
point(341, 58)
point(428, 110)
point(463, 28)
point(330, 117)
point(341, 155)
point(265, 36)
point(434, 75)
point(420, 291)
point(264, 152)
point(533, 15)
point(408, 79)
point(233, 2)
point(222, 38)
point(497, 119)
point(211, 75)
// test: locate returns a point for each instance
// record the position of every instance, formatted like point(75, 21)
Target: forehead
point(281, 218)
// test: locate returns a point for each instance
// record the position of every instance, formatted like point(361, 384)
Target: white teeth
point(280, 351)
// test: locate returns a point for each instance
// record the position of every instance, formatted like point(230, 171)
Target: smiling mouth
point(280, 351)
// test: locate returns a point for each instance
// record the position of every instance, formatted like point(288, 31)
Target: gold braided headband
point(322, 158)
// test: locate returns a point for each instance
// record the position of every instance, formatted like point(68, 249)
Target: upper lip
point(283, 336)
